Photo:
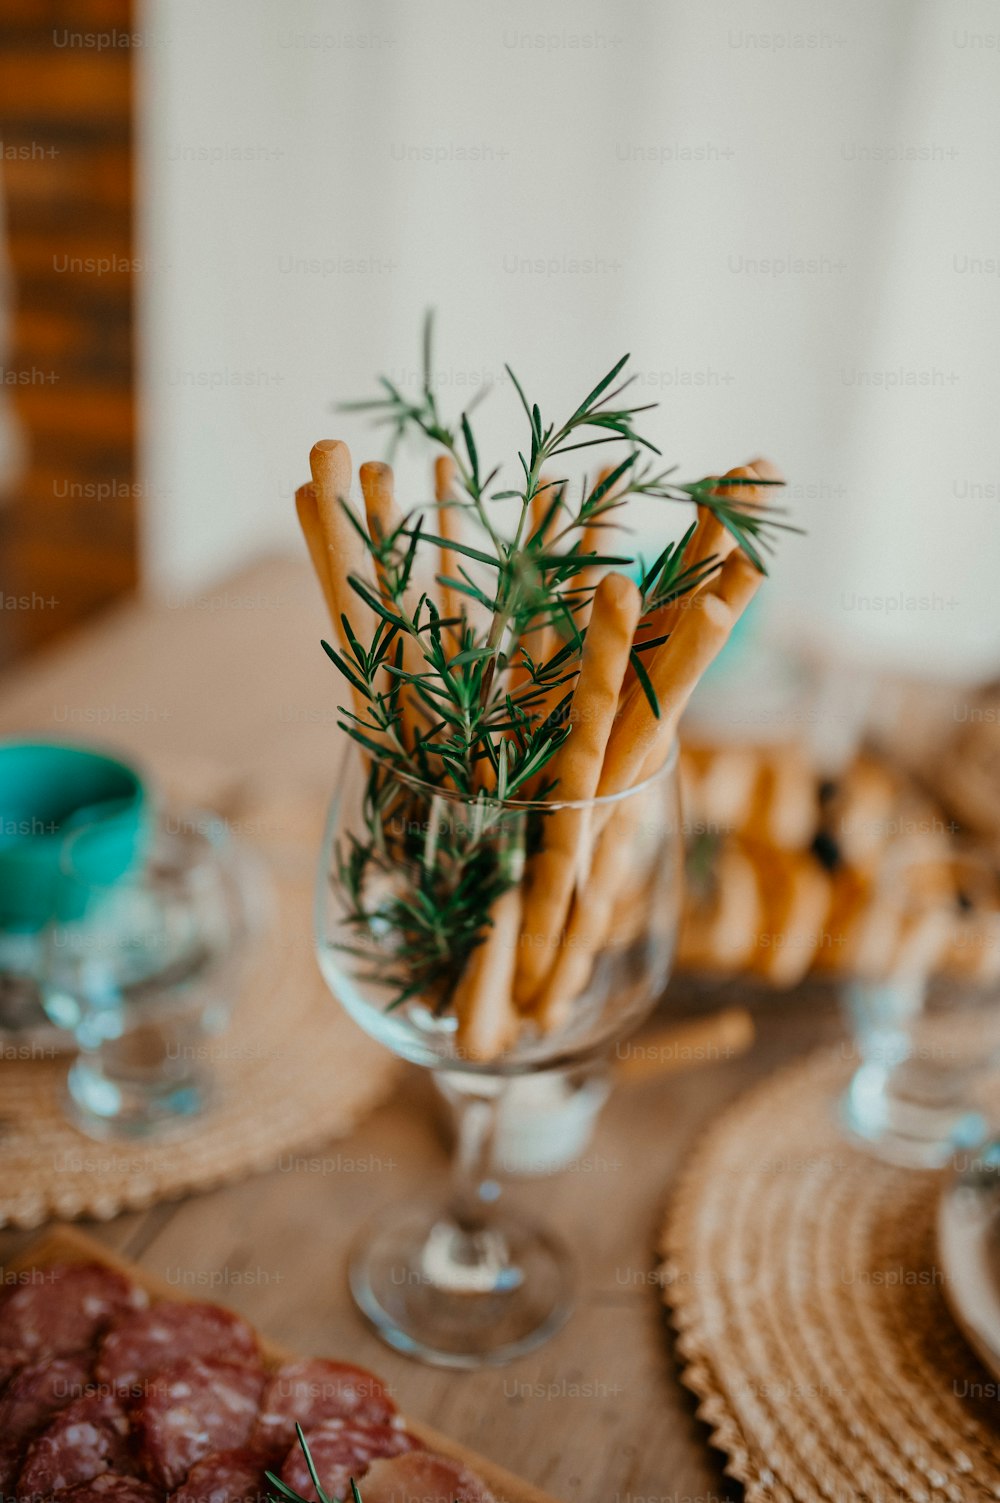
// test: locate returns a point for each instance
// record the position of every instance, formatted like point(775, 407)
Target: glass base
point(105, 1109)
point(456, 1298)
point(904, 1130)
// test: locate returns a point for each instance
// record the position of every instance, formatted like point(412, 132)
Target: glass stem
point(474, 1190)
point(466, 1252)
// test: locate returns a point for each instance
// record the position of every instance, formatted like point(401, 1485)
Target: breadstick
point(487, 1020)
point(589, 924)
point(540, 641)
point(448, 525)
point(576, 769)
point(384, 516)
point(346, 554)
point(783, 812)
point(594, 540)
point(384, 521)
point(308, 514)
point(719, 933)
point(639, 740)
point(711, 540)
point(798, 894)
point(727, 789)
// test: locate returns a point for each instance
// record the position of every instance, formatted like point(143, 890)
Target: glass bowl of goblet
point(426, 902)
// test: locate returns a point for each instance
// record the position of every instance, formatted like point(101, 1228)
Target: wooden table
point(237, 677)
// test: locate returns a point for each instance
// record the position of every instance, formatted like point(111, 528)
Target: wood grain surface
point(237, 678)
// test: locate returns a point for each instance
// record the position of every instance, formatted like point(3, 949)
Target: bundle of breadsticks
point(539, 946)
point(792, 873)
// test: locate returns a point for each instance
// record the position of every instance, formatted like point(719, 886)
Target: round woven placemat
point(291, 1072)
point(809, 1307)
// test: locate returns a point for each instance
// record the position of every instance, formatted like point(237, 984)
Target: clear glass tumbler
point(467, 1281)
point(141, 961)
point(923, 1005)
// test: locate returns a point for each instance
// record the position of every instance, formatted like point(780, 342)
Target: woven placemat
point(291, 1072)
point(810, 1313)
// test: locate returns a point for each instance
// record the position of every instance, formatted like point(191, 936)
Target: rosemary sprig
point(485, 710)
point(285, 1494)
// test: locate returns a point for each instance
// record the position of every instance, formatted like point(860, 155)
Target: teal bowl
point(48, 790)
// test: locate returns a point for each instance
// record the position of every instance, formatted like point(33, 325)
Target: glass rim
point(528, 806)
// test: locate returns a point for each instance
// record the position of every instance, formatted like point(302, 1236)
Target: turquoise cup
point(48, 790)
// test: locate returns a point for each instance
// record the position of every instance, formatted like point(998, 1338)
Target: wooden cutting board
point(66, 1245)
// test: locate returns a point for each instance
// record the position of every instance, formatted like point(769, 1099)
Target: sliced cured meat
point(39, 1391)
point(32, 1396)
point(88, 1437)
point(145, 1341)
point(191, 1409)
point(340, 1450)
point(64, 1308)
point(109, 1487)
point(314, 1390)
point(226, 1477)
point(12, 1358)
point(422, 1477)
point(11, 1452)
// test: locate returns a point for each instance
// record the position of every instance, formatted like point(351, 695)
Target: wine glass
point(142, 960)
point(923, 1004)
point(407, 876)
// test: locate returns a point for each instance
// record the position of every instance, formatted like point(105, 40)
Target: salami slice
point(340, 1450)
point(226, 1477)
point(88, 1437)
point(145, 1341)
point(11, 1452)
point(32, 1396)
point(109, 1487)
point(190, 1410)
point(422, 1477)
point(64, 1308)
point(39, 1391)
point(314, 1390)
point(12, 1359)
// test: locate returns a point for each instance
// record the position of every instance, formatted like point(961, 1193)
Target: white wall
point(398, 155)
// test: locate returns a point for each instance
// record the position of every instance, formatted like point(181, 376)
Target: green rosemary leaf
point(283, 1488)
point(645, 682)
point(587, 443)
point(374, 602)
point(571, 563)
point(312, 1470)
point(470, 447)
point(608, 485)
point(524, 401)
point(345, 668)
point(471, 655)
point(602, 385)
point(462, 548)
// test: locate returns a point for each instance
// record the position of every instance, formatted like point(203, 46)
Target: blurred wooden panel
point(80, 415)
point(97, 257)
point(68, 530)
point(70, 341)
point(73, 87)
point(78, 15)
point(78, 180)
